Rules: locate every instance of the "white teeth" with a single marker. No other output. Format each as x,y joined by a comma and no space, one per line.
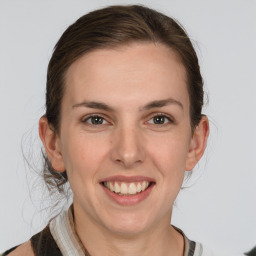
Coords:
138,188
111,187
132,189
123,188
144,185
117,188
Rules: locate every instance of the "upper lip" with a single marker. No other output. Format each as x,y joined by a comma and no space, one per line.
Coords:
123,178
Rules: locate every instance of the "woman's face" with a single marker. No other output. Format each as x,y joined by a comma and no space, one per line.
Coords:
125,137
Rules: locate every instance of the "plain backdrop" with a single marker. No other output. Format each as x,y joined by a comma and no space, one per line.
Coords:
219,206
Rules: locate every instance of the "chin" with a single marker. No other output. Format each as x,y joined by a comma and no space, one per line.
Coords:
128,224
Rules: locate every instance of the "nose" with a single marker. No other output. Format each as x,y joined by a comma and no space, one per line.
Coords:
128,147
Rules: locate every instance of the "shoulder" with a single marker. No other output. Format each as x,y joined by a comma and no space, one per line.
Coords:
202,250
24,249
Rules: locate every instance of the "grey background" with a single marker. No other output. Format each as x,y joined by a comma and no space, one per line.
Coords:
220,208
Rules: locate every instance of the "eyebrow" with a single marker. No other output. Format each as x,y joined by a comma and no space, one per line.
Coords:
150,105
162,103
94,104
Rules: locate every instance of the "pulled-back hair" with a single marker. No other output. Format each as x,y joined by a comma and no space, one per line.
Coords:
108,28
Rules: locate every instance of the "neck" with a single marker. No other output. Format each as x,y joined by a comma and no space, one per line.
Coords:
161,239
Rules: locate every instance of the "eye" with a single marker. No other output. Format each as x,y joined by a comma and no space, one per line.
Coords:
94,120
160,119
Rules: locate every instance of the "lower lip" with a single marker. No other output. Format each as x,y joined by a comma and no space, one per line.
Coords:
129,200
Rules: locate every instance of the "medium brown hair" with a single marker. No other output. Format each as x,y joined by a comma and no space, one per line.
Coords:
112,27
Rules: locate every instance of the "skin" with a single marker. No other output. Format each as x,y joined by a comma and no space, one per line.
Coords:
25,249
129,142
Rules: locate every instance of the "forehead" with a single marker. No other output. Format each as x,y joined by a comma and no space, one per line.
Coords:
131,71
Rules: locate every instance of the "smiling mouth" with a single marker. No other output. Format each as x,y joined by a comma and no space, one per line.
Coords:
127,188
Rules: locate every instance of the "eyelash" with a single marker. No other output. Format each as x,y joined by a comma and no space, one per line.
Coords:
105,122
85,119
162,115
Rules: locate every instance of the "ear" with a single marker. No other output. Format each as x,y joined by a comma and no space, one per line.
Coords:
198,143
52,145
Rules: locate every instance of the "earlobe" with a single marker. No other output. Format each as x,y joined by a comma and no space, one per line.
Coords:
198,143
51,143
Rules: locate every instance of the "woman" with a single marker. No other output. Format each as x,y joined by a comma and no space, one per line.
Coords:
123,123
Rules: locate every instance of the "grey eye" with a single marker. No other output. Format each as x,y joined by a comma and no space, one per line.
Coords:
160,120
96,120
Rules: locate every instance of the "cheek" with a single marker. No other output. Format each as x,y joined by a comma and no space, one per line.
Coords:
83,155
172,149
169,154
82,159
